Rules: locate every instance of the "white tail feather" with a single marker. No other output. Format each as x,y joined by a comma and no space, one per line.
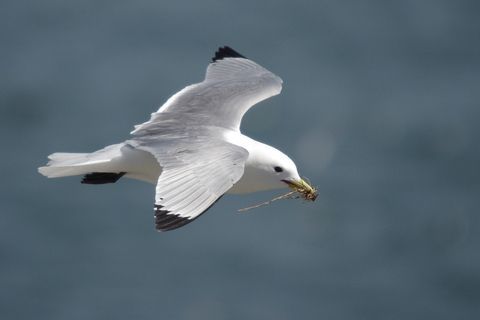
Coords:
71,164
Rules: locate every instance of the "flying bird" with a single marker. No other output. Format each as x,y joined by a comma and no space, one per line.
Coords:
192,148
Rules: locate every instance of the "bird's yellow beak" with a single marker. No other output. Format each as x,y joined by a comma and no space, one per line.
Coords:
306,191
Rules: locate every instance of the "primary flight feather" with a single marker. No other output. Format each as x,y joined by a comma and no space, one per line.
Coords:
192,147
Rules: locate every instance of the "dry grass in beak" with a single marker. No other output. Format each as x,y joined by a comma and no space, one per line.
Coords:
301,189
306,191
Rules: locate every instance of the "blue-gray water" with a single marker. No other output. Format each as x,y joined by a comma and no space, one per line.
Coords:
380,109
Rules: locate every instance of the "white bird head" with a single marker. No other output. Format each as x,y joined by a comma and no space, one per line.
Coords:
266,169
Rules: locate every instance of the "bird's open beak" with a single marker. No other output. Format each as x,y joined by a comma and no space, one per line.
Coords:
305,189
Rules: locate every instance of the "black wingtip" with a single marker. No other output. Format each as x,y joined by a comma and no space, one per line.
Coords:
226,52
166,222
102,177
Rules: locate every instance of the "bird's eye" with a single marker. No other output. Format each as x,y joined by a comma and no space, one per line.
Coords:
278,169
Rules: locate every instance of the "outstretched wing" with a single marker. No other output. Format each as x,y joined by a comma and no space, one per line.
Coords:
231,86
195,174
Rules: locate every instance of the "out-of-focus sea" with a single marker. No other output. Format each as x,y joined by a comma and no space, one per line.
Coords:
380,109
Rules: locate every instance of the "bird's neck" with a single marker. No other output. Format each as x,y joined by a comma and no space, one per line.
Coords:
256,175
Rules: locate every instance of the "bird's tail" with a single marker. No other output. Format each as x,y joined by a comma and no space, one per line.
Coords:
71,164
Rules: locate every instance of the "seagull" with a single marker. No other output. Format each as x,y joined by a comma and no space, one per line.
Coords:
192,148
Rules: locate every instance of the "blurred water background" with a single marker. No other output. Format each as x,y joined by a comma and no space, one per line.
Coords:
380,109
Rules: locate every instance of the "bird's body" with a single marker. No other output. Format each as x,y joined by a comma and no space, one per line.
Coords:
192,147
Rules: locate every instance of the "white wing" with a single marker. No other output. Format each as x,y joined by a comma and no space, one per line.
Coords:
196,172
231,86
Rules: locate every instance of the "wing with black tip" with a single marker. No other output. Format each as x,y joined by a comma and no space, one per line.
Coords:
196,172
232,85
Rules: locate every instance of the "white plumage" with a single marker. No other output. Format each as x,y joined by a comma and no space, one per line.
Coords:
192,147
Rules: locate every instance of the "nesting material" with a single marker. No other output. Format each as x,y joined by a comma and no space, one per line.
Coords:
301,189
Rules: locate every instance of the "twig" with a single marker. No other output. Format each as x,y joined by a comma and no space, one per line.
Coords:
283,196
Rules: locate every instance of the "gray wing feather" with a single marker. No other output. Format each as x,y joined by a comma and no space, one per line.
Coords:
196,172
231,87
